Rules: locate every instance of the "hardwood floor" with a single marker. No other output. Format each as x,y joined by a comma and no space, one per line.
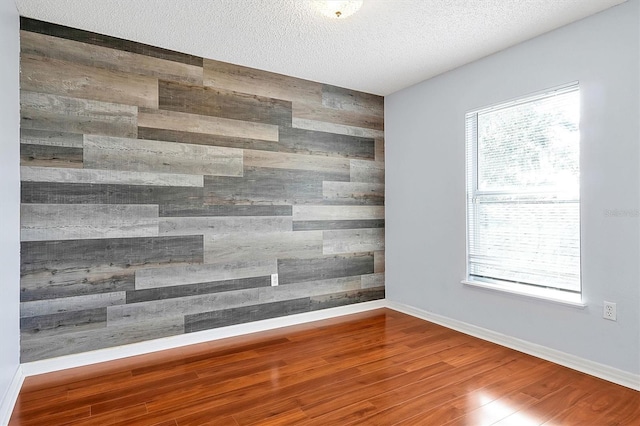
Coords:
375,368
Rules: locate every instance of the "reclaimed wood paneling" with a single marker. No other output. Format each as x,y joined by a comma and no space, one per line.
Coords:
161,191
155,156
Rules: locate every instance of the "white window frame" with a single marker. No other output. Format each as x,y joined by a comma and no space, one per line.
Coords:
471,152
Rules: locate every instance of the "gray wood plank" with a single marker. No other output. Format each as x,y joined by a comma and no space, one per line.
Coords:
50,156
107,337
280,160
352,240
346,298
223,225
309,288
172,292
367,171
70,222
373,280
66,175
223,103
379,142
250,245
301,270
306,213
64,322
68,304
41,111
379,260
173,210
195,123
352,100
196,138
194,274
50,138
101,152
359,193
106,58
311,225
312,142
337,116
340,129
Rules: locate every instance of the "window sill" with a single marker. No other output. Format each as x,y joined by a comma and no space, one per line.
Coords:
554,296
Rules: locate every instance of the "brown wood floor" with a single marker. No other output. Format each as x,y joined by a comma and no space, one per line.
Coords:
375,368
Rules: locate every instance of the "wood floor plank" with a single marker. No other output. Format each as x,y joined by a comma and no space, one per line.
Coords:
374,368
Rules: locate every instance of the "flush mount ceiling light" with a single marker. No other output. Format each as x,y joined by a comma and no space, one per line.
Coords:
338,8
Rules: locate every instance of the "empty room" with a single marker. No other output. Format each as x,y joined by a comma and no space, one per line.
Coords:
309,212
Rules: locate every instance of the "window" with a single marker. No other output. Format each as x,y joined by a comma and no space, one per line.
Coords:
523,195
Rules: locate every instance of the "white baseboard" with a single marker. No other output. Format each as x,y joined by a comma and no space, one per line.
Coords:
110,354
592,368
9,399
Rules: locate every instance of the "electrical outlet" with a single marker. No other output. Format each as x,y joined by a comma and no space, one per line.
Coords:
609,311
274,280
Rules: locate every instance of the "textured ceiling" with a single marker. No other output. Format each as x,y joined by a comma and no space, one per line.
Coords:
386,46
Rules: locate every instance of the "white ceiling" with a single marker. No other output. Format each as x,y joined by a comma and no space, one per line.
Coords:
386,46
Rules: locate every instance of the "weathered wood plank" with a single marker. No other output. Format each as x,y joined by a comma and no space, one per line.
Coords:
352,100
352,240
262,83
223,225
45,75
172,292
335,116
41,27
238,246
55,269
367,171
311,225
346,298
312,142
42,111
64,322
50,156
359,193
379,149
310,288
306,213
194,274
340,129
96,56
68,304
171,120
66,175
110,336
50,138
301,270
373,280
207,139
223,103
280,160
173,210
81,193
102,152
378,261
70,222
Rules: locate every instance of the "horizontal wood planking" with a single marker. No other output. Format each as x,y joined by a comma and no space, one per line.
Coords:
373,280
164,157
379,143
41,111
41,27
171,120
50,156
194,274
223,103
56,269
57,77
66,175
178,182
357,193
352,240
379,260
67,304
223,225
107,58
51,138
252,245
306,213
70,222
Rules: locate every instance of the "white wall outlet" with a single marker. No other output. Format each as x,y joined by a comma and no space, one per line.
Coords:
609,311
274,280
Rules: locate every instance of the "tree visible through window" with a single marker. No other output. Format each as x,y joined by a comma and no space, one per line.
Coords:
523,192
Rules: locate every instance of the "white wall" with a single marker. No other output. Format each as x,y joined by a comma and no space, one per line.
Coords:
425,169
9,196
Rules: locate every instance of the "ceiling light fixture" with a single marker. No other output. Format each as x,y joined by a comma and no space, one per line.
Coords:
338,8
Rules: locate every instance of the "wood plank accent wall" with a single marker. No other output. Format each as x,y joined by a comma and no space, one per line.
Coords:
160,192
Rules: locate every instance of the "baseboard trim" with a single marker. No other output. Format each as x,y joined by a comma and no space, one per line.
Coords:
592,368
110,354
10,397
